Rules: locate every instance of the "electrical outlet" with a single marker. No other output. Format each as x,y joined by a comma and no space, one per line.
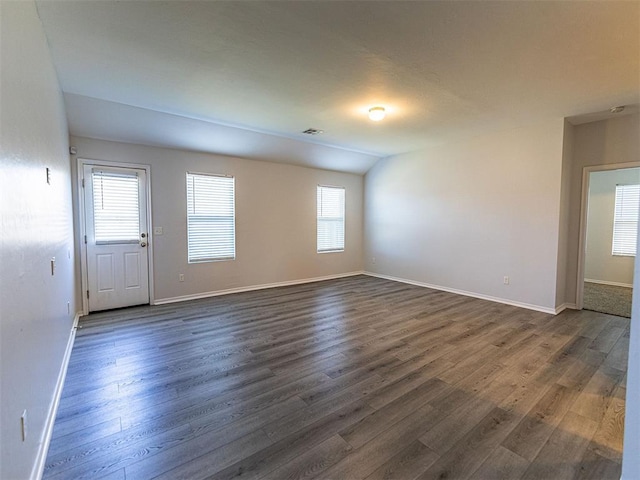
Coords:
23,425
53,265
181,277
505,280
157,230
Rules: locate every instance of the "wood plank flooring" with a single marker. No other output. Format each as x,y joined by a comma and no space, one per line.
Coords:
356,378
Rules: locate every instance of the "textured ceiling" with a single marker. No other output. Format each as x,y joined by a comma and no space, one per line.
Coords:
275,69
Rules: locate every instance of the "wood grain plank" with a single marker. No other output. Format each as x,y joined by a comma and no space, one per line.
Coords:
406,464
607,441
533,431
312,462
363,461
501,464
289,448
472,450
366,429
210,462
341,377
455,425
594,400
561,455
594,467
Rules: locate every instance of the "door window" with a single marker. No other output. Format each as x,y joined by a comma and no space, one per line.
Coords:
116,207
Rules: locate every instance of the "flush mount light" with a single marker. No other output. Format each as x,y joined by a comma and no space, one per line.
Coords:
377,113
313,131
616,109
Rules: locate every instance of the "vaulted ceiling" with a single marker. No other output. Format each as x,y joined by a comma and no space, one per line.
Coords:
246,78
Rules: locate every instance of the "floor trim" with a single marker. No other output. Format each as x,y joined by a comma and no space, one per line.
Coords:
251,288
565,306
528,306
613,284
41,457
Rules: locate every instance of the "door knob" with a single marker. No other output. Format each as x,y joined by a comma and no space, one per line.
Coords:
143,244
143,235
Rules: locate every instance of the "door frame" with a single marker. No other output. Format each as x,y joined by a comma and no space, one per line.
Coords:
582,243
84,274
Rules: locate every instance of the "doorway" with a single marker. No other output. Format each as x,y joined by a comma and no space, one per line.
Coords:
116,248
610,240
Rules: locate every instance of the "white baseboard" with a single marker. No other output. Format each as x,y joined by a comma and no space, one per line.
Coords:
604,282
528,306
41,458
228,291
565,306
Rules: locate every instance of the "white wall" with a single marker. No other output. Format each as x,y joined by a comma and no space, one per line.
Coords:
630,457
565,212
600,264
36,225
606,142
464,215
275,219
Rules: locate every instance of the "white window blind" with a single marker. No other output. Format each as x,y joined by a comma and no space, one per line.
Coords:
116,211
625,220
330,219
210,217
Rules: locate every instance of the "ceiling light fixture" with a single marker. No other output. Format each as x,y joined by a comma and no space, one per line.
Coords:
377,113
616,109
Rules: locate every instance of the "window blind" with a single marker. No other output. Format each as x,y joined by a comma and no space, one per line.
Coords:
116,211
330,224
625,220
210,218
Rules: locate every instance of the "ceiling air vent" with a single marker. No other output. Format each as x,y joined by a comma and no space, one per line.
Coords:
313,131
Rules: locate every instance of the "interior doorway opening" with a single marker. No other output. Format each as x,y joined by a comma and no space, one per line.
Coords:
610,238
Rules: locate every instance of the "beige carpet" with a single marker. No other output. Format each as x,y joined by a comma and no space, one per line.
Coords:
607,299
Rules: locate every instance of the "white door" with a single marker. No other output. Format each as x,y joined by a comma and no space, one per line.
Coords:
115,202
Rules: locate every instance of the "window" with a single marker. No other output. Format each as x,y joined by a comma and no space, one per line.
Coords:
116,212
625,220
211,231
330,219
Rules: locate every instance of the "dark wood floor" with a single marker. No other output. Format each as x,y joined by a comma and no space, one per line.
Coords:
343,379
